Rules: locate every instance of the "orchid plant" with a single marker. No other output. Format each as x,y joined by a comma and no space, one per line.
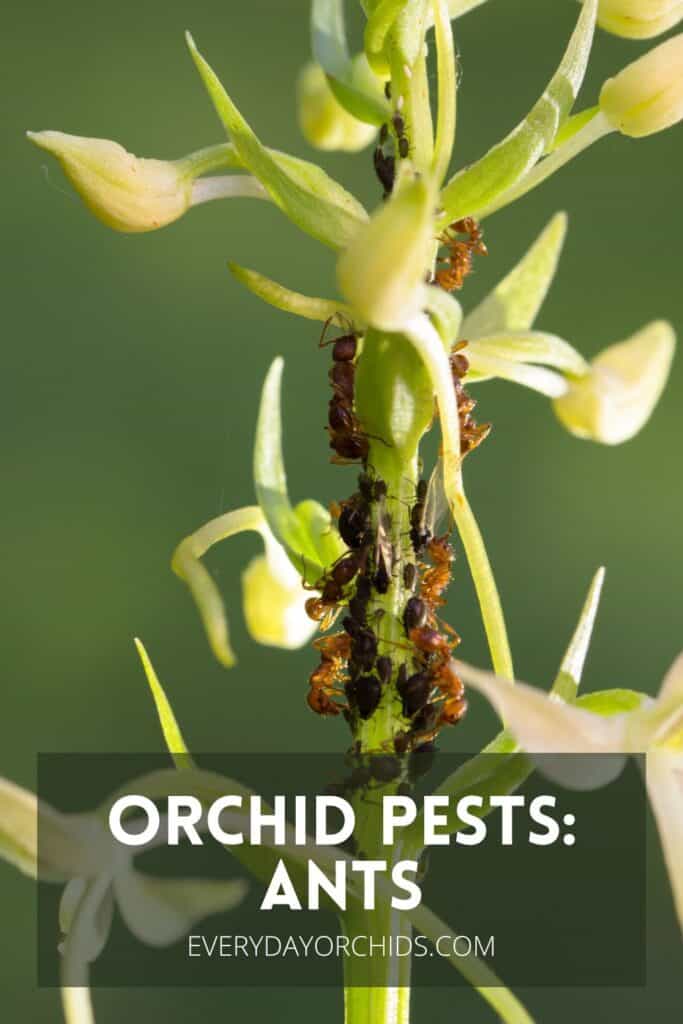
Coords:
406,358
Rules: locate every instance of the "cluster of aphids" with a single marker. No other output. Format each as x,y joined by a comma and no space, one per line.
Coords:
384,156
352,672
357,665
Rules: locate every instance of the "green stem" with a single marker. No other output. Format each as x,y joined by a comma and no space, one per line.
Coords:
377,989
211,158
485,586
377,733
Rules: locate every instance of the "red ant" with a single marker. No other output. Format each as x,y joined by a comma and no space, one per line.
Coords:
471,433
347,438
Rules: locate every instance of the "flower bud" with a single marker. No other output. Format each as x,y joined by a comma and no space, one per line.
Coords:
382,273
615,399
274,600
323,121
125,192
639,19
647,96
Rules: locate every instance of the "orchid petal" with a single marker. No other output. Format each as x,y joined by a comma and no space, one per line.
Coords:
160,911
542,725
664,773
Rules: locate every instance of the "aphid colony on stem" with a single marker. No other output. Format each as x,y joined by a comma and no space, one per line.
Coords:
411,663
358,665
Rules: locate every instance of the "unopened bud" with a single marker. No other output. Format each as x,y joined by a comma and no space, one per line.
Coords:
126,192
647,96
639,19
324,122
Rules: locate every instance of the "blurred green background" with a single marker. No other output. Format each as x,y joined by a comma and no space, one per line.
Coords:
131,371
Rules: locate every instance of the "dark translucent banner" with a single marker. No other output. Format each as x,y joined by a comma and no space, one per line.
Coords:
496,869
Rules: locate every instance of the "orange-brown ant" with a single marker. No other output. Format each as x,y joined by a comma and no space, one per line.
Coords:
471,433
460,253
437,577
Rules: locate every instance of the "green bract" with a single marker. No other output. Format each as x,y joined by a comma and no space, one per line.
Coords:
316,203
475,189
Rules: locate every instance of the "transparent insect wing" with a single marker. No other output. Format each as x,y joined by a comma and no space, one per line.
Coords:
437,512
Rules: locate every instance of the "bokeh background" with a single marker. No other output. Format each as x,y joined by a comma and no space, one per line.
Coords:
131,372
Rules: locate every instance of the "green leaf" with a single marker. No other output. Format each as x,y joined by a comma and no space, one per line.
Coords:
568,678
289,527
351,81
514,303
173,737
291,302
304,193
161,911
613,702
187,565
475,188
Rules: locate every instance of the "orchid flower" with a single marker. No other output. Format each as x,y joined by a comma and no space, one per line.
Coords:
609,722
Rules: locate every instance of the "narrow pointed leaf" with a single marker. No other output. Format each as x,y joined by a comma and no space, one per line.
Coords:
476,187
173,737
304,193
290,302
514,303
566,684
